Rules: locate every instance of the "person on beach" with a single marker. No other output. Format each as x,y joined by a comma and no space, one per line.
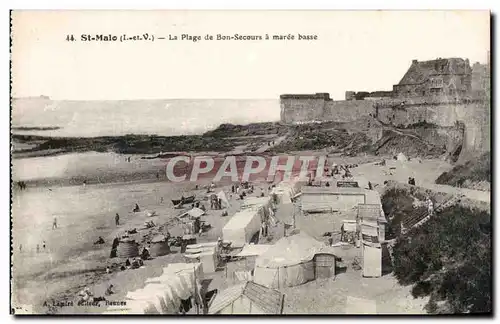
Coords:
109,291
114,247
161,200
430,206
157,175
20,248
117,219
43,245
232,189
54,223
137,209
145,255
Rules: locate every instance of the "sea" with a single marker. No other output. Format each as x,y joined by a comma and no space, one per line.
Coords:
150,117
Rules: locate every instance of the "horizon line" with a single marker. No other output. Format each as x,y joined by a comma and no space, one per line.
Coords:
134,99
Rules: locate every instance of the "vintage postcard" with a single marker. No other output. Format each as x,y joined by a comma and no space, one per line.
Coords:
250,162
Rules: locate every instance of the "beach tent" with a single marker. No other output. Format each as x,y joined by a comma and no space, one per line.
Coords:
262,204
247,298
241,227
288,263
225,202
206,255
401,157
154,297
286,190
163,294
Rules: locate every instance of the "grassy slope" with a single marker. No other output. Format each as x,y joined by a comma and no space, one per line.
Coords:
448,258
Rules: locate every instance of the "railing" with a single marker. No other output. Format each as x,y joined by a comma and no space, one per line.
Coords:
419,220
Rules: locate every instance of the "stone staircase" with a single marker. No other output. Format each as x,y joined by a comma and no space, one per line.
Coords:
419,220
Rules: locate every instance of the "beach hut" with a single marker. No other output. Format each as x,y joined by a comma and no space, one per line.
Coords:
372,259
324,265
289,262
206,255
159,246
248,298
242,227
373,215
262,204
127,248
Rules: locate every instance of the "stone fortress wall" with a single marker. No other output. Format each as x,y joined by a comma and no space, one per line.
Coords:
442,107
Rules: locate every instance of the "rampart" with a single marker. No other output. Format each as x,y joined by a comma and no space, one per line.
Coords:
474,113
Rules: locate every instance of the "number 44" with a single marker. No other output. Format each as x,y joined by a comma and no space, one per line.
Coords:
70,38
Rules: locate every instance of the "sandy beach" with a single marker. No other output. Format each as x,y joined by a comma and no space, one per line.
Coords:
71,261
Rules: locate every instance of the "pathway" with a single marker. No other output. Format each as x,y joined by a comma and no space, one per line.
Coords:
266,146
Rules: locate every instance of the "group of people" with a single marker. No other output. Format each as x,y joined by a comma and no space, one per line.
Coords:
411,181
44,247
215,203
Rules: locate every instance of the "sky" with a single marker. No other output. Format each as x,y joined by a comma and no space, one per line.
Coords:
355,51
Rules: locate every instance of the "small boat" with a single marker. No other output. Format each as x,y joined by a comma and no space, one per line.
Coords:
182,201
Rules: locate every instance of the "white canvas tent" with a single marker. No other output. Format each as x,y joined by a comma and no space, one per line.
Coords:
285,191
225,202
262,204
247,298
206,255
163,294
241,227
288,263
